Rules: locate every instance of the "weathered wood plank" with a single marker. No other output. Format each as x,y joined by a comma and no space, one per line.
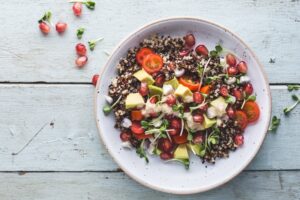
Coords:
46,186
72,143
270,27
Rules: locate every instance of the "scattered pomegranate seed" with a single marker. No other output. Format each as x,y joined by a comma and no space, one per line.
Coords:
171,100
77,8
239,140
198,118
248,88
153,99
238,94
144,89
45,28
189,40
232,70
176,123
198,138
230,59
61,27
202,50
242,67
224,91
125,136
81,61
159,80
165,145
80,49
173,131
230,112
197,97
166,156
95,79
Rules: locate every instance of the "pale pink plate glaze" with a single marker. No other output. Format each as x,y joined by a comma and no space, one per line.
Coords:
173,177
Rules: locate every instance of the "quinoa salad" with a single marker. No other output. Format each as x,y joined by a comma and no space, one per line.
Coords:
172,97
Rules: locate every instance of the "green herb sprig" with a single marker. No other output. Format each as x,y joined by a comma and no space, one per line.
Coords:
287,110
46,17
107,109
217,51
293,87
274,124
185,162
80,32
92,43
141,151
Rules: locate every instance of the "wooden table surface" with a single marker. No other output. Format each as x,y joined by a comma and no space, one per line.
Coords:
41,89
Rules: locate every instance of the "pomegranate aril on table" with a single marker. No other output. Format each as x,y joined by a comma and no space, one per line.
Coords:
81,61
61,27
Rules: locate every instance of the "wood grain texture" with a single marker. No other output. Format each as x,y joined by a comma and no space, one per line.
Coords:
71,143
88,186
270,27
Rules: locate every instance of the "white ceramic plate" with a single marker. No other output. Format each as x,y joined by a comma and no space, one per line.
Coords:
172,177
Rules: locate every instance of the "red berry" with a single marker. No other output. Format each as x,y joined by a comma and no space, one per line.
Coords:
165,145
237,94
203,108
224,91
80,49
189,40
176,123
230,59
159,80
144,89
61,27
230,112
198,138
232,71
171,100
197,97
166,156
248,89
95,79
198,118
173,131
239,140
125,136
242,67
202,50
153,99
45,28
81,61
77,8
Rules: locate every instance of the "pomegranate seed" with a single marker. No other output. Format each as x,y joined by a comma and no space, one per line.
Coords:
242,67
45,28
198,138
173,131
203,108
166,156
171,100
189,40
81,61
159,80
77,8
80,49
144,89
171,66
165,145
61,27
202,50
198,118
230,60
230,112
248,89
232,71
176,123
197,97
239,140
238,94
95,79
153,99
224,91
184,52
125,136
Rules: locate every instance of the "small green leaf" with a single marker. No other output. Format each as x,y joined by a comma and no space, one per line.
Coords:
293,87
107,109
46,17
213,53
141,152
92,43
219,48
274,124
251,98
90,5
80,32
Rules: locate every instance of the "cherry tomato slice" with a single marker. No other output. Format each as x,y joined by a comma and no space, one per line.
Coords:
241,119
136,115
189,83
142,136
137,128
180,139
142,53
205,89
152,63
252,111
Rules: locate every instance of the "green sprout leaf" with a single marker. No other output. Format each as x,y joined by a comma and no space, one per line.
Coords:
274,124
80,32
92,43
287,110
46,17
217,51
141,152
185,162
90,5
107,109
293,87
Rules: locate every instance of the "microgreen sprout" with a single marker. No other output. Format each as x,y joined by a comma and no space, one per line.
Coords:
230,99
293,87
80,32
287,110
46,18
141,151
217,51
249,98
92,43
89,4
185,162
274,124
107,109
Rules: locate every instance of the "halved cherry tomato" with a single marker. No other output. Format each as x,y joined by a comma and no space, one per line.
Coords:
189,83
137,128
205,89
180,139
152,63
252,111
142,53
142,136
241,119
136,115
